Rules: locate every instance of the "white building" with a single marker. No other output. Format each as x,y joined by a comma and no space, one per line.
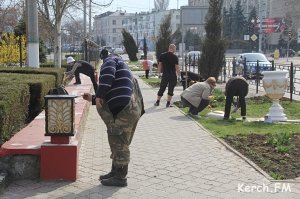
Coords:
108,28
146,25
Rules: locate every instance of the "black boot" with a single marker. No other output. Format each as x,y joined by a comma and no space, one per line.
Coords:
110,174
119,179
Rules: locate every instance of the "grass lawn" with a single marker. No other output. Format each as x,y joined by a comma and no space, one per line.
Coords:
273,147
135,66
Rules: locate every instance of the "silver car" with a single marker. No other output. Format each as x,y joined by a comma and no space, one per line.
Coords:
250,61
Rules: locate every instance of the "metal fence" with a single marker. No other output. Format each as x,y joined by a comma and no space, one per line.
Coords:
253,76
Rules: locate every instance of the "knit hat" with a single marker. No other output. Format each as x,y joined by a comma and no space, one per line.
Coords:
70,60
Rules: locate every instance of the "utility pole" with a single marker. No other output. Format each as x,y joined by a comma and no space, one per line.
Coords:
84,19
137,30
288,45
90,17
32,34
260,27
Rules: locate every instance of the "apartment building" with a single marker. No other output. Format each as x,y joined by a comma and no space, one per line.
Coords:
108,26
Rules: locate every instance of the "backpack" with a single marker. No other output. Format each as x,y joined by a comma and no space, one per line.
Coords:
58,91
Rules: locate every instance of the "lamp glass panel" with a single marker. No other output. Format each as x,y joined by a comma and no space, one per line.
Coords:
60,116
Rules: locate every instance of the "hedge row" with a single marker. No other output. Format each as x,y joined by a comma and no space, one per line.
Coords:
14,101
22,96
57,72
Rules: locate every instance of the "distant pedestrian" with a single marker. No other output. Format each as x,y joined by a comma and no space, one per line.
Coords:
168,66
82,67
119,102
236,86
198,95
276,54
147,66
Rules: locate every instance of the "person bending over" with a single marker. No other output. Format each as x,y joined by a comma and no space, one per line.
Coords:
81,67
236,86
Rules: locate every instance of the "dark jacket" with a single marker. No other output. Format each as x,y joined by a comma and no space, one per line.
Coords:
237,86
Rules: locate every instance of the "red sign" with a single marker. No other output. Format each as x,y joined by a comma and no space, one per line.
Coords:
271,25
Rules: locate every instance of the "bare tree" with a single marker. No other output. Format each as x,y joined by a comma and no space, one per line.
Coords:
52,11
9,14
161,4
74,30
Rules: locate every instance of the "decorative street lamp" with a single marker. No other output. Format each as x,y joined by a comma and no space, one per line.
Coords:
59,110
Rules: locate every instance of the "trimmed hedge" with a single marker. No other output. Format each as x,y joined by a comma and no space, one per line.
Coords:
57,72
49,65
14,101
39,86
22,92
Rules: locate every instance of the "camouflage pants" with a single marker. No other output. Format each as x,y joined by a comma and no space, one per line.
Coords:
120,130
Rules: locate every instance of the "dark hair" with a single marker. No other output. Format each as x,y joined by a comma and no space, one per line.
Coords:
103,54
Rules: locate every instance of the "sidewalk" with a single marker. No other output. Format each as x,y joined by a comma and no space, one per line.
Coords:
171,157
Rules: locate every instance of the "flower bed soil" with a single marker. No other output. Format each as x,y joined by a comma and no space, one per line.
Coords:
279,165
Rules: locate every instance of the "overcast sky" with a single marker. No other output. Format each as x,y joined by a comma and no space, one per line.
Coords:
132,6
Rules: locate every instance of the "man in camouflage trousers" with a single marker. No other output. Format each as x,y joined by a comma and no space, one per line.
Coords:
120,115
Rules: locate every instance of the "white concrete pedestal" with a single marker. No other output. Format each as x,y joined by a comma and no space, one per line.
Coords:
276,113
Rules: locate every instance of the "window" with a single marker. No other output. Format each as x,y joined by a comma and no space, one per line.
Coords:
114,22
114,30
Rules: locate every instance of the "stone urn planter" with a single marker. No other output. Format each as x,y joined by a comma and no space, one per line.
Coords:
275,84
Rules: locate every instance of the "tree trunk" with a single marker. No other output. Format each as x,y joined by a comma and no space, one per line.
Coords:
57,45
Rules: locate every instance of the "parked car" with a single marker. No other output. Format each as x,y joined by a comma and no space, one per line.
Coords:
291,52
119,51
193,57
194,53
250,60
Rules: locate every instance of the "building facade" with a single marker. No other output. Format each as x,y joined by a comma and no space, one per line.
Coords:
287,8
108,26
247,5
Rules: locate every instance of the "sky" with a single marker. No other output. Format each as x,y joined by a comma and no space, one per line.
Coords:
133,6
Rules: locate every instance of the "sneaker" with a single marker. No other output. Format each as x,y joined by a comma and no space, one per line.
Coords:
76,83
156,104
